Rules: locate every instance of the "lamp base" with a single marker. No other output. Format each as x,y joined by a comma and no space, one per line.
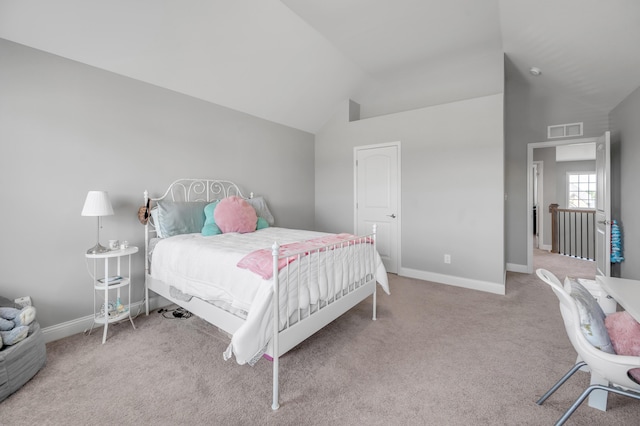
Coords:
98,248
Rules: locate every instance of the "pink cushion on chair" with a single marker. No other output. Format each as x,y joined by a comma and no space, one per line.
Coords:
234,214
624,332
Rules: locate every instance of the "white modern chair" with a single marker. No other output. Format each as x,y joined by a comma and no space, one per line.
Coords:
613,368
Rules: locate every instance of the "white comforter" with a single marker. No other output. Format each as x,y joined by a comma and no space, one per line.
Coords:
205,267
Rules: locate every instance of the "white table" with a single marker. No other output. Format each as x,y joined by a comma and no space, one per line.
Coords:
102,285
625,292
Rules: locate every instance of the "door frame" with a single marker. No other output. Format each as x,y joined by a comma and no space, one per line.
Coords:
530,147
398,146
540,188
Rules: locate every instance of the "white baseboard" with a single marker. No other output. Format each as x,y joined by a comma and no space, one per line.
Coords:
80,325
513,267
546,247
489,287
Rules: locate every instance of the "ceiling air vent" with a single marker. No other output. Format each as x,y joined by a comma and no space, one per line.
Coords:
564,130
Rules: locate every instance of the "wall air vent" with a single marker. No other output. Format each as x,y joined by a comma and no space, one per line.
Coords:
564,130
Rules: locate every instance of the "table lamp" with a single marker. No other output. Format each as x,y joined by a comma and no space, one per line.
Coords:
97,204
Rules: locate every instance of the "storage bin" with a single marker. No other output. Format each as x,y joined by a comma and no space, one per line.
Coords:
20,362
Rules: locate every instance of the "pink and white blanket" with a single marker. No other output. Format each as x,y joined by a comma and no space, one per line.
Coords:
261,261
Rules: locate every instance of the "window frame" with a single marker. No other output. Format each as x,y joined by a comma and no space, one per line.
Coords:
568,188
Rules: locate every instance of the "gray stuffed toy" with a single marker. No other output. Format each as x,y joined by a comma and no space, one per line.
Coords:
14,324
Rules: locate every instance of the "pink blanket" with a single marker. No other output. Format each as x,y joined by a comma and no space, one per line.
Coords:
261,261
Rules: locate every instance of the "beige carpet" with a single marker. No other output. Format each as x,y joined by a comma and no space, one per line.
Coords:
437,355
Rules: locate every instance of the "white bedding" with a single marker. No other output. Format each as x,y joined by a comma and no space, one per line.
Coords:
205,267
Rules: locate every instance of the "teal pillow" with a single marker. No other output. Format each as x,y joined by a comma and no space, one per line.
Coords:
262,223
210,227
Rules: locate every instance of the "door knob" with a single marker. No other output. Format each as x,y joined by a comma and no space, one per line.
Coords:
392,215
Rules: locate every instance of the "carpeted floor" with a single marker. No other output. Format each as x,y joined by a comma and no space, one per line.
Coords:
437,355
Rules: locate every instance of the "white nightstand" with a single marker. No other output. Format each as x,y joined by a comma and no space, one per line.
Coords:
101,312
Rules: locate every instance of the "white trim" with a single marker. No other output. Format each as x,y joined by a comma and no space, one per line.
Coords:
81,325
513,267
540,229
486,286
530,148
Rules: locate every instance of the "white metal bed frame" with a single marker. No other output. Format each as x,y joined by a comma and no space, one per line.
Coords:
192,190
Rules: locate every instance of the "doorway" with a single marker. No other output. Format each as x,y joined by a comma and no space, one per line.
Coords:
537,176
542,210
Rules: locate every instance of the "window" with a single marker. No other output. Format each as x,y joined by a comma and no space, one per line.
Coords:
581,190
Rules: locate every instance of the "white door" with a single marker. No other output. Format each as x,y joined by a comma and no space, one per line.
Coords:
377,199
603,206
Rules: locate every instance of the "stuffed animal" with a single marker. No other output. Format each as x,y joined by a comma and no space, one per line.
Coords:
14,335
14,324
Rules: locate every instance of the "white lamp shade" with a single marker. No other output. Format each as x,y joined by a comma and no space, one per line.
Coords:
97,204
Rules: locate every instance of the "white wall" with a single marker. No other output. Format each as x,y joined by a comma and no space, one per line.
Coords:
626,175
67,128
452,186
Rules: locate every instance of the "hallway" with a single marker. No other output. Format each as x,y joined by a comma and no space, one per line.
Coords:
563,266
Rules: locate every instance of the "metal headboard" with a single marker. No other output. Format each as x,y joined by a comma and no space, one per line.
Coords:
192,190
189,190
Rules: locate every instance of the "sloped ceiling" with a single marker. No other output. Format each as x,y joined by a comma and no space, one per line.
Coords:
294,61
416,52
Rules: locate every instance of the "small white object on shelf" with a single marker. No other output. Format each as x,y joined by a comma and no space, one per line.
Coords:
111,280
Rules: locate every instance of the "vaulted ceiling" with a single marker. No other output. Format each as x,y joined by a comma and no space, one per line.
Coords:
294,61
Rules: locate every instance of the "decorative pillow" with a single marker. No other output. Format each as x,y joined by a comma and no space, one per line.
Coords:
262,223
591,315
234,214
210,227
260,205
154,216
179,217
625,337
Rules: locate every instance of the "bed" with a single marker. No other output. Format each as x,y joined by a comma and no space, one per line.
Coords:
240,280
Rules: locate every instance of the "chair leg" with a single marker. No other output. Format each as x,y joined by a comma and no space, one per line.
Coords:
560,382
586,393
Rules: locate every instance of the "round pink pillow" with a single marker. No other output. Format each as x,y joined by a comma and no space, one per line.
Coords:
234,214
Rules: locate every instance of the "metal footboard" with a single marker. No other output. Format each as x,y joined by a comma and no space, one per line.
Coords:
352,262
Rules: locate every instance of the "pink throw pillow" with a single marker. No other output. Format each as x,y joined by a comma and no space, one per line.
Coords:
624,332
234,214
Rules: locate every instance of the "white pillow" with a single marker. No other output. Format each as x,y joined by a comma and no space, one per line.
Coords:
591,315
154,219
260,205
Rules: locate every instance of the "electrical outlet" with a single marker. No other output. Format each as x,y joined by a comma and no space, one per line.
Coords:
447,258
23,301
